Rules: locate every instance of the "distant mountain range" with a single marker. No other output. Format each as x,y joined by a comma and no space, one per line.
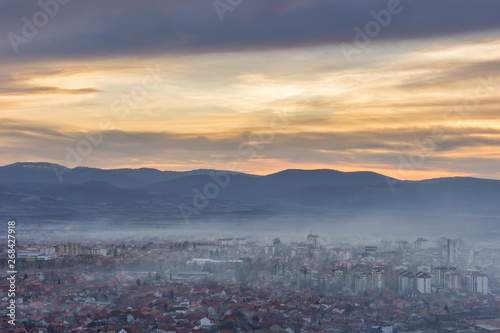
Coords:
50,192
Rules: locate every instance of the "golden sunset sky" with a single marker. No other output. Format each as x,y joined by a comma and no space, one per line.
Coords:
268,88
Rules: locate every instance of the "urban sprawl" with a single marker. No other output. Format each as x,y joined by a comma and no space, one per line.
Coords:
251,284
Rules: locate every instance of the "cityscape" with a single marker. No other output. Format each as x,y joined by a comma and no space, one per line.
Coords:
249,166
256,284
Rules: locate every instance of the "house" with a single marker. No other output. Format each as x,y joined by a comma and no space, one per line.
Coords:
38,330
205,322
19,330
124,330
275,328
37,320
487,328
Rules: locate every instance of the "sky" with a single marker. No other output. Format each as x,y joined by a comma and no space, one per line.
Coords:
405,88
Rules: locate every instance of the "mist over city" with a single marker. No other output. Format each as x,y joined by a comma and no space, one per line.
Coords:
237,166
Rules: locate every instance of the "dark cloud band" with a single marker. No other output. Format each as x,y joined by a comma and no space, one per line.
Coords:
100,28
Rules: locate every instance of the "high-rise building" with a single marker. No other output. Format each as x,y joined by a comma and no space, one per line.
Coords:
402,244
99,251
418,243
313,240
482,283
477,282
406,282
70,248
453,280
423,281
375,280
378,279
439,275
361,282
452,250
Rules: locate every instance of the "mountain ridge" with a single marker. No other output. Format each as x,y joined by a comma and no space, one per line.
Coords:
33,192
47,166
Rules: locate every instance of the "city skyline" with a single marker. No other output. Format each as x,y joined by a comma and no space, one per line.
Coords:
233,166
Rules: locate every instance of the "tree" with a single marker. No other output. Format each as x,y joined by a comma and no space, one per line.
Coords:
138,282
25,276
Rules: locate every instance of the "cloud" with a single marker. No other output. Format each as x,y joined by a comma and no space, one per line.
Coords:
335,147
214,96
469,73
103,28
23,84
45,90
